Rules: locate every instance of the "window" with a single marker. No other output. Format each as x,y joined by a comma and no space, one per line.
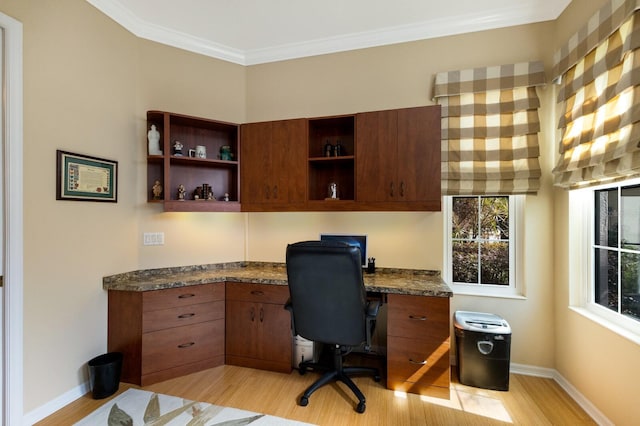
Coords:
481,247
616,249
605,243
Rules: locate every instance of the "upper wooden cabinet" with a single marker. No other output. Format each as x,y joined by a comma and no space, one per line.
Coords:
273,165
376,161
398,159
172,169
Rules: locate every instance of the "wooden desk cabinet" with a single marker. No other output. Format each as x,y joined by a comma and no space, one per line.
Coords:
418,345
167,333
258,331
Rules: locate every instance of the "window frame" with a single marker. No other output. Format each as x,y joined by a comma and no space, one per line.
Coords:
516,287
581,263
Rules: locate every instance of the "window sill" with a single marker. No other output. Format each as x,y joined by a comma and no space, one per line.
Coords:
466,292
609,325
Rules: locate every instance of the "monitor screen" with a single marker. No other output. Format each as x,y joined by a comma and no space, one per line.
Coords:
353,240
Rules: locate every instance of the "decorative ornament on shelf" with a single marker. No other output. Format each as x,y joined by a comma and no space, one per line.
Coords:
225,153
181,192
177,148
153,136
157,190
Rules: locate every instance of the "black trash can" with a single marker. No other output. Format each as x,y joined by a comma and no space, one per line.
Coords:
104,374
483,350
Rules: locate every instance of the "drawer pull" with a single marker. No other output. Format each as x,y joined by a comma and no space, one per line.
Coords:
257,292
186,315
424,362
252,314
186,345
186,296
261,315
418,318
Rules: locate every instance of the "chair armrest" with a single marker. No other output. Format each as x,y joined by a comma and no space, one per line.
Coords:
373,307
289,308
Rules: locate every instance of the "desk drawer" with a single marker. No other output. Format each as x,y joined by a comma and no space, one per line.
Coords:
181,345
181,296
424,362
182,315
261,293
418,317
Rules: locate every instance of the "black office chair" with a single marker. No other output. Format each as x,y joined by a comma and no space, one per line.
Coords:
328,304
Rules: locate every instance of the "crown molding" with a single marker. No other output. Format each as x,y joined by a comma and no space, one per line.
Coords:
464,23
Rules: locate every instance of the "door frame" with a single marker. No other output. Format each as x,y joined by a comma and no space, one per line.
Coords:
12,309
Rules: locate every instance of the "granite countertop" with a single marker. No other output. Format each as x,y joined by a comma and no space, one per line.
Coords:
385,280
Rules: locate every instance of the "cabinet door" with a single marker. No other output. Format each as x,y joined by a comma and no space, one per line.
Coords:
256,163
258,335
289,153
242,332
377,156
273,162
419,154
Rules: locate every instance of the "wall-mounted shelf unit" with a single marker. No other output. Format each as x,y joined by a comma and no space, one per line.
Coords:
192,172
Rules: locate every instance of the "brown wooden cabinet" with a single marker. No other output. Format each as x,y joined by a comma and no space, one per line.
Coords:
418,345
172,169
167,333
398,159
273,165
258,328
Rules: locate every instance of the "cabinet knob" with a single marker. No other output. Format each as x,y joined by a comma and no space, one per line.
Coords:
402,188
186,315
261,315
252,314
275,192
186,296
186,345
257,292
423,362
267,192
391,189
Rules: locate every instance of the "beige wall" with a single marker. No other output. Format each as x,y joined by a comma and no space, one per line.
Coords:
88,83
601,364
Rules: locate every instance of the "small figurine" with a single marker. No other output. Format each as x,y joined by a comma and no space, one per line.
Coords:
177,148
210,196
333,190
157,190
181,192
154,141
226,196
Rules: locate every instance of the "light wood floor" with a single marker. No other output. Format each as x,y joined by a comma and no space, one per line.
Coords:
529,401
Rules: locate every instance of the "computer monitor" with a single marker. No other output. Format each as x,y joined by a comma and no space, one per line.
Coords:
359,241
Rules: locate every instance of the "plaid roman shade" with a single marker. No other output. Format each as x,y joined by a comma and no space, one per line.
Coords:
599,95
490,129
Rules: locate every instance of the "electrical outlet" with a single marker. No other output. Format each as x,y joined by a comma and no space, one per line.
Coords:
153,239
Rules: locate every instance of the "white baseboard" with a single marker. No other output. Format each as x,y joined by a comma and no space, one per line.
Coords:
56,404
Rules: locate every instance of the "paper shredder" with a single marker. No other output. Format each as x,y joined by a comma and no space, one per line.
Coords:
483,353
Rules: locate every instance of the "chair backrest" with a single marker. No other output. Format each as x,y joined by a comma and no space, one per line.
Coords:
328,298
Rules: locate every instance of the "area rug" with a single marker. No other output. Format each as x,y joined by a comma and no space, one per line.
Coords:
137,407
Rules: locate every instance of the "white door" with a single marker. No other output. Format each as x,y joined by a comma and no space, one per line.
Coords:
1,214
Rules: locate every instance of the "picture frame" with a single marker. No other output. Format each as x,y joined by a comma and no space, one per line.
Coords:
85,178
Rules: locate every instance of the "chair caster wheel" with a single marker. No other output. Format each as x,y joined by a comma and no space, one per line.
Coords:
304,401
376,378
302,371
361,407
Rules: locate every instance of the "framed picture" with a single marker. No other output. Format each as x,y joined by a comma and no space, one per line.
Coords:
84,178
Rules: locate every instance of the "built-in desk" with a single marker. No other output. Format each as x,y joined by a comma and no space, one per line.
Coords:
174,321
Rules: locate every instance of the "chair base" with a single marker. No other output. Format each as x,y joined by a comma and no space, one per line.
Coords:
338,373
